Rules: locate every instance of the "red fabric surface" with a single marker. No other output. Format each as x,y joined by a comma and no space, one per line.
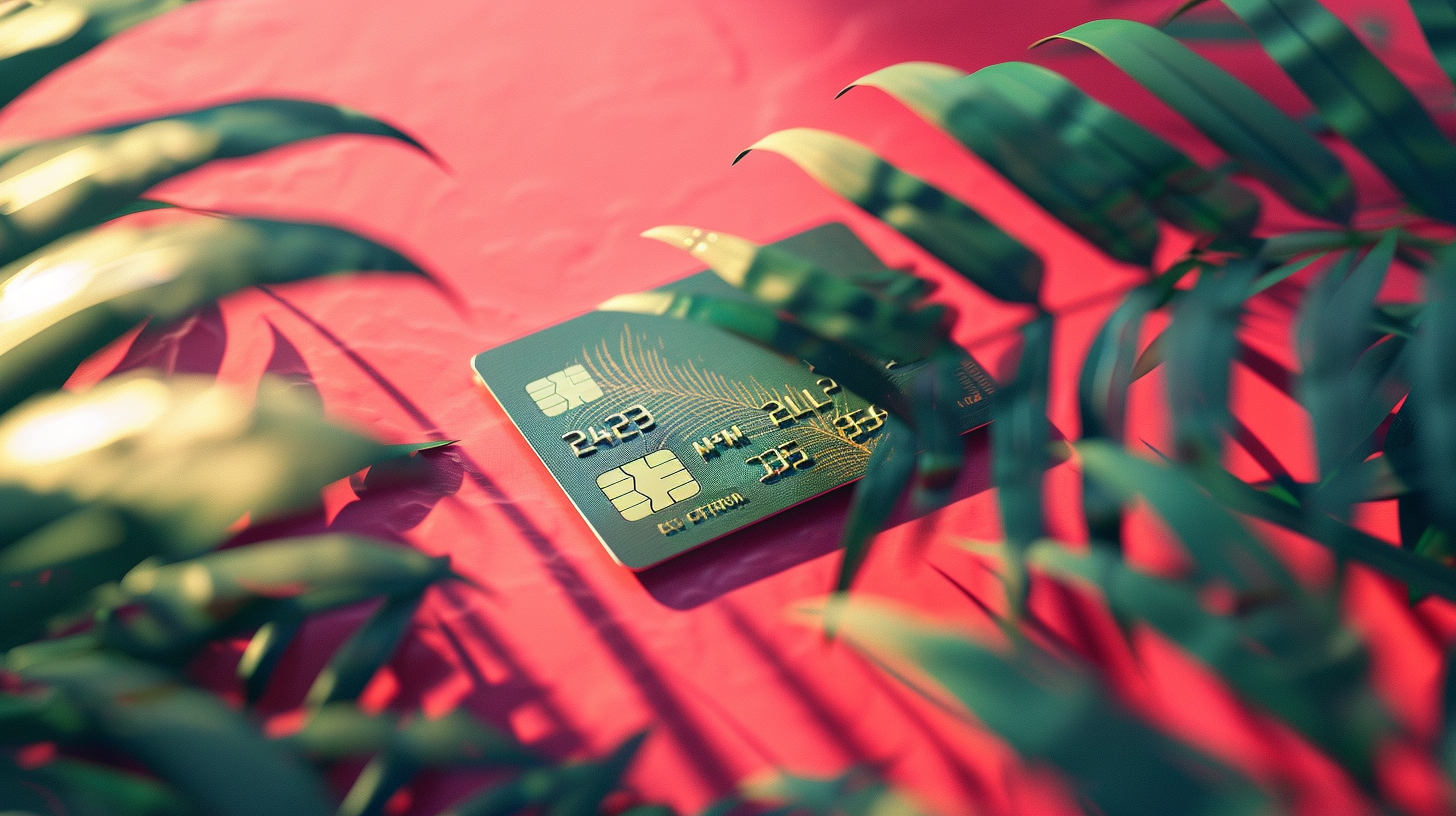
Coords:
563,129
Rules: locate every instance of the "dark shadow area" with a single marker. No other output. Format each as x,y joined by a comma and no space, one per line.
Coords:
194,344
788,539
674,716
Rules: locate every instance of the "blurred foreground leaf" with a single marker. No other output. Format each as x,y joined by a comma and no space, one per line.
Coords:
63,303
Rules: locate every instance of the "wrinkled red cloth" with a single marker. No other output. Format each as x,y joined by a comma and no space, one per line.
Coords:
562,130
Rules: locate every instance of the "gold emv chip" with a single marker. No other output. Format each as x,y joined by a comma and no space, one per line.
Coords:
644,486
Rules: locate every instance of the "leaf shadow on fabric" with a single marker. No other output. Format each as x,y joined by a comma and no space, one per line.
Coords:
788,539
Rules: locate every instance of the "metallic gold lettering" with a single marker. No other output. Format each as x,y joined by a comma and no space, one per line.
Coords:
730,438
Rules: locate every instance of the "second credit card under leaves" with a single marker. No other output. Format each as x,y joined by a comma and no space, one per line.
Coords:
667,434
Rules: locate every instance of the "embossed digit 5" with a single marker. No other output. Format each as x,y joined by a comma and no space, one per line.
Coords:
795,456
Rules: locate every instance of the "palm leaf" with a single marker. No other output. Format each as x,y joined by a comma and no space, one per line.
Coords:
51,188
1359,97
1266,143
66,301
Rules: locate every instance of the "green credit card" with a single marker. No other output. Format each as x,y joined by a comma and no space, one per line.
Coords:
666,434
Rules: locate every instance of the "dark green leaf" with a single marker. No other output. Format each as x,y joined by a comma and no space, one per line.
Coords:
365,652
1331,336
1102,399
1359,97
941,224
1438,24
68,300
887,475
265,649
41,37
340,730
1283,273
1179,191
187,456
988,113
188,737
1220,545
1202,343
54,187
86,789
1267,144
1053,712
1318,683
184,602
1433,390
1419,574
39,716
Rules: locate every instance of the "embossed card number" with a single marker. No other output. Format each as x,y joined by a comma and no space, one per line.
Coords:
618,428
780,461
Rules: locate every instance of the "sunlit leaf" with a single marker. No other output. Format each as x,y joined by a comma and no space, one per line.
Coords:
760,324
184,602
56,186
988,113
941,224
826,304
1359,97
1266,143
41,37
1053,712
187,736
263,653
68,300
187,456
856,792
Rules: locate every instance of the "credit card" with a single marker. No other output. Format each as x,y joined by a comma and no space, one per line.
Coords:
666,434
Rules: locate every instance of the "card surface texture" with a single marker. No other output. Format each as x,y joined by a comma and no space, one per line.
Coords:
667,434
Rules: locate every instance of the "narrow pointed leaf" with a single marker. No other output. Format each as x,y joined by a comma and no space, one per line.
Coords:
1433,387
1359,97
1417,573
1220,545
1265,142
1331,337
1324,671
263,653
827,304
1438,23
68,300
41,37
942,225
365,652
1202,343
1020,434
1051,712
54,187
1102,391
988,116
183,602
887,475
187,736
